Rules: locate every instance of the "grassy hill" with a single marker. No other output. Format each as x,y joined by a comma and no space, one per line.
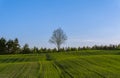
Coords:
83,64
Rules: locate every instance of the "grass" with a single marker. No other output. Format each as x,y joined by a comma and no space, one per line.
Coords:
83,64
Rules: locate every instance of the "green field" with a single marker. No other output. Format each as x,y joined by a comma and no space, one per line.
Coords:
83,64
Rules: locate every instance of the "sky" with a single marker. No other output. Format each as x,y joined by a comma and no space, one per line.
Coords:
85,22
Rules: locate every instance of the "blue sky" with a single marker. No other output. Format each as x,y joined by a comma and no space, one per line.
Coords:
86,22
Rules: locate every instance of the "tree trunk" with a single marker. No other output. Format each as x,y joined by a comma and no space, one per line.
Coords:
58,48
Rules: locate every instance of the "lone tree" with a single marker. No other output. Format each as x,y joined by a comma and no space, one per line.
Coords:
58,38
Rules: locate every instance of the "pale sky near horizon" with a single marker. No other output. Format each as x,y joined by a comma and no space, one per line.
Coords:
85,22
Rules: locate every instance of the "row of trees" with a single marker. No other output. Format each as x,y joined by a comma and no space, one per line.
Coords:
10,46
13,47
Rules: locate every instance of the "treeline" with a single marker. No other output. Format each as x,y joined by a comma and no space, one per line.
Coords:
13,47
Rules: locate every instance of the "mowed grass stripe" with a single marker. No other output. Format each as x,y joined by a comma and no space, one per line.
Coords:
27,70
47,70
21,58
98,65
103,66
103,61
76,70
30,70
10,70
110,64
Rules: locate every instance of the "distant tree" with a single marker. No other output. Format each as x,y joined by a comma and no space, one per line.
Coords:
62,49
68,49
9,45
58,38
12,46
79,48
54,50
16,46
26,49
41,50
118,47
44,49
2,45
49,50
35,50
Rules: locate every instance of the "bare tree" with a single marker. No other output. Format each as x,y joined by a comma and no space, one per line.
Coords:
58,38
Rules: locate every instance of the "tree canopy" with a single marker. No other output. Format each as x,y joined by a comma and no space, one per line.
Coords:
58,38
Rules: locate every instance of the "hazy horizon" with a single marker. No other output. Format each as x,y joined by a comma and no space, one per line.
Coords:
85,22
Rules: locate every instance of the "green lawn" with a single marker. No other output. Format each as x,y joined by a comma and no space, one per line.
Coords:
83,64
